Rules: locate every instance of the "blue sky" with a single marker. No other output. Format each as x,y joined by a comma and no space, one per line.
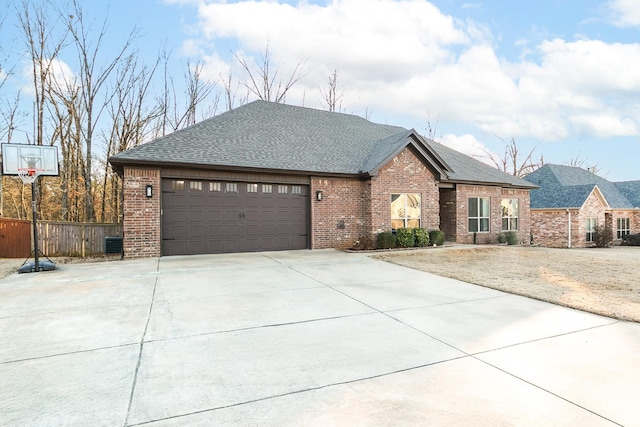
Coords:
560,76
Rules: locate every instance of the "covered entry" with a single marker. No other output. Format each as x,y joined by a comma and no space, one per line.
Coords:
207,217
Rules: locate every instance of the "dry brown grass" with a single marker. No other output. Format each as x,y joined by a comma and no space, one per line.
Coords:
601,281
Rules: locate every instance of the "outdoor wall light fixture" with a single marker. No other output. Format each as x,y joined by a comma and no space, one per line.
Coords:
149,191
318,195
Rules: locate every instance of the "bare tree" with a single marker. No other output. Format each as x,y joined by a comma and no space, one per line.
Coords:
432,129
92,77
331,96
513,161
197,91
578,162
266,83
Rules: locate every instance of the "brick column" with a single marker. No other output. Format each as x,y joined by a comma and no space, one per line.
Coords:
141,222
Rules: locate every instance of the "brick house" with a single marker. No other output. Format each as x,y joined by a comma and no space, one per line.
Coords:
269,176
571,201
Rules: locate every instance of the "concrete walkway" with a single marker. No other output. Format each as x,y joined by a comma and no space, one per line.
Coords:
301,338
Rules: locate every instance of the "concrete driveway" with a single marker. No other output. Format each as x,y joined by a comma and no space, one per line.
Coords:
301,338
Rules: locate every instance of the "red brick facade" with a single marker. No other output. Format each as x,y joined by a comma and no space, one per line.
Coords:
454,213
141,222
351,210
551,226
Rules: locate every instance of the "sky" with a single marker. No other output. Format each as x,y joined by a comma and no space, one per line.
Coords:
560,77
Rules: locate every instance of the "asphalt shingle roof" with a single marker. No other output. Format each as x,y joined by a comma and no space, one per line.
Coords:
568,187
631,190
268,135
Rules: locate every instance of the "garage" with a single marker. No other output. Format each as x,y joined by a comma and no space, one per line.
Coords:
208,217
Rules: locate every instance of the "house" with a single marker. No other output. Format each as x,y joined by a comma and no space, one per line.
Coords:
571,201
269,176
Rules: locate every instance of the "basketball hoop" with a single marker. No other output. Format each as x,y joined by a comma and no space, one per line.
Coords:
28,175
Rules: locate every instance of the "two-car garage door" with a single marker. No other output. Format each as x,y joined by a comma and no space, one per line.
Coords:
206,217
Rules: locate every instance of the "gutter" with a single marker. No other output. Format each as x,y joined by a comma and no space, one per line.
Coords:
569,243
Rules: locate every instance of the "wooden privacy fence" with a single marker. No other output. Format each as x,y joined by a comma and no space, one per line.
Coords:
57,238
15,238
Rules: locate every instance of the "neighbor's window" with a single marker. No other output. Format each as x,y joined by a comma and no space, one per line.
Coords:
177,185
215,186
252,188
267,188
478,214
405,210
623,227
590,227
231,187
296,189
195,185
509,214
283,189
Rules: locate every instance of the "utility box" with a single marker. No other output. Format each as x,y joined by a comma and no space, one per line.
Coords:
113,245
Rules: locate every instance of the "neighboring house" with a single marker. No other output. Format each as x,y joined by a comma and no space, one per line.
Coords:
269,176
571,201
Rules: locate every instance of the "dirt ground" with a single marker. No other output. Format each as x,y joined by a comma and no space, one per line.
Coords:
602,281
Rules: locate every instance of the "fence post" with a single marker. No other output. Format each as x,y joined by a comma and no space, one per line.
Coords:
82,234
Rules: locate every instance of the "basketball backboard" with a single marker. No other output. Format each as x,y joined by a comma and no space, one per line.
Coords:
43,158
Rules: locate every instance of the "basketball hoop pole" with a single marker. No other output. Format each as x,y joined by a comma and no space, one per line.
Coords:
34,214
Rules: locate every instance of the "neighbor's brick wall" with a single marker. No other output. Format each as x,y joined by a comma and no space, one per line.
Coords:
592,208
141,222
405,173
341,217
550,228
495,195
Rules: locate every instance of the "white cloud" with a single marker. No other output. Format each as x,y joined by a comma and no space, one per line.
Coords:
59,72
406,57
468,145
625,13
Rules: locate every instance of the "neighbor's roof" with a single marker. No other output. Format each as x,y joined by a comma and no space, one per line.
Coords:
631,190
569,187
271,136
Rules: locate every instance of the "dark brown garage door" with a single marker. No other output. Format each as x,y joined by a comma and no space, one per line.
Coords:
208,217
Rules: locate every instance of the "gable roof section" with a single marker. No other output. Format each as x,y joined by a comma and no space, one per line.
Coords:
569,187
271,136
631,190
466,169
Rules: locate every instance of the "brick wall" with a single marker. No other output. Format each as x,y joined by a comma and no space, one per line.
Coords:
141,222
455,211
341,217
405,173
352,210
551,227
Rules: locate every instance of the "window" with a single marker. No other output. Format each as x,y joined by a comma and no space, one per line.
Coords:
405,210
509,209
296,189
623,227
215,186
195,185
590,227
267,188
478,214
177,185
252,188
231,187
282,189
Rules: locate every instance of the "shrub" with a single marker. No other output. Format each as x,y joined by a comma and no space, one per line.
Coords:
602,236
422,237
512,237
436,237
502,238
386,240
406,237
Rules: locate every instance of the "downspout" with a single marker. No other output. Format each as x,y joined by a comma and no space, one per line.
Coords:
569,212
